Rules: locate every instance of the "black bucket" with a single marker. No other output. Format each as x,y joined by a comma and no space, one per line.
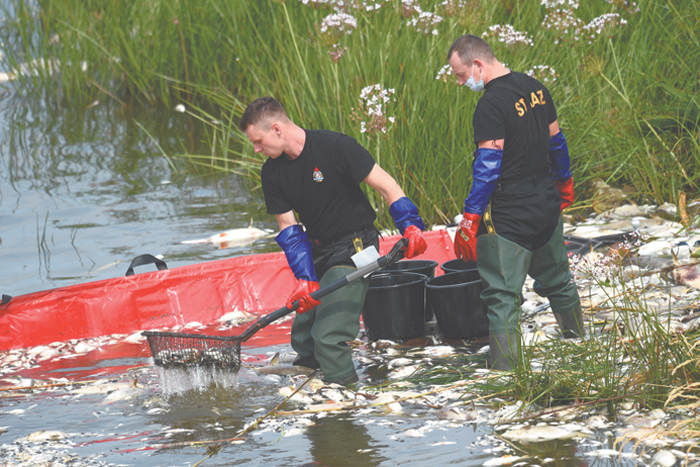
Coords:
395,306
457,265
455,300
425,267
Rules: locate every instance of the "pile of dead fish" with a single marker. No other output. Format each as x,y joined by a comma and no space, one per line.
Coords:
28,453
648,270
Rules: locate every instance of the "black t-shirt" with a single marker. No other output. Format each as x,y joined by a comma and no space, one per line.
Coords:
525,206
322,185
519,109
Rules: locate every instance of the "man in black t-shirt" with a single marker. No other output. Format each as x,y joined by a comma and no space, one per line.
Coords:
317,174
521,182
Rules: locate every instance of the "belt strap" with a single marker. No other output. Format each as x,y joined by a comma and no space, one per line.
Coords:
488,221
357,243
354,237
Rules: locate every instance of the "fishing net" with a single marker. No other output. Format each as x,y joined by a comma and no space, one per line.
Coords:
174,349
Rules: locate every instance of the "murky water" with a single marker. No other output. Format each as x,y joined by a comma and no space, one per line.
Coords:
161,428
83,192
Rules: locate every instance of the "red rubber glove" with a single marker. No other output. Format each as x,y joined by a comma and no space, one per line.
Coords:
465,238
416,242
566,192
301,293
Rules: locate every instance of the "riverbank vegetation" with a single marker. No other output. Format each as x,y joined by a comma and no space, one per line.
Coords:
623,75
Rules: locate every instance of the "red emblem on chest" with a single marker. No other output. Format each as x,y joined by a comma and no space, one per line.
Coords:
318,176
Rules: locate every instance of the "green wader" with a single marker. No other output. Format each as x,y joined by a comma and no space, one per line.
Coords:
320,335
504,266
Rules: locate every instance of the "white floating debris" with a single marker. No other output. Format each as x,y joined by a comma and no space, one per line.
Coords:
180,108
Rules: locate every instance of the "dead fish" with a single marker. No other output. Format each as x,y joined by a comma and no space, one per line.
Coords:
413,433
46,435
234,318
333,394
439,351
536,434
314,385
609,453
664,459
688,275
300,396
404,372
123,395
83,348
503,460
135,338
398,362
229,238
454,413
389,404
101,388
284,370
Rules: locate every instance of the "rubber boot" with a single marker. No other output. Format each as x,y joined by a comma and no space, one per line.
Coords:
571,324
553,279
503,268
302,341
337,321
505,351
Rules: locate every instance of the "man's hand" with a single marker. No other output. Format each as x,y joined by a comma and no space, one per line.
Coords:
416,242
465,238
566,192
302,293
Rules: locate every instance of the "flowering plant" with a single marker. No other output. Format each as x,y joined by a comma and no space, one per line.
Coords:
371,112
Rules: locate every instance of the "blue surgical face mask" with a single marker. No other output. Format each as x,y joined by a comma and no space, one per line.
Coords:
473,85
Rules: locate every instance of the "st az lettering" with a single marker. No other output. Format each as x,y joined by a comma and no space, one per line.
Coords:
536,98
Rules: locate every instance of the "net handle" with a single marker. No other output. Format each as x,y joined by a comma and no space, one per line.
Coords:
394,255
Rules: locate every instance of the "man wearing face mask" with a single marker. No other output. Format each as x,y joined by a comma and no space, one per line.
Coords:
521,183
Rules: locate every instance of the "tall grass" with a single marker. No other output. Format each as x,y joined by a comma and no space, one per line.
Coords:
628,101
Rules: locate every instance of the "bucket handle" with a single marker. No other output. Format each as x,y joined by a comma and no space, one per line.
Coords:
145,259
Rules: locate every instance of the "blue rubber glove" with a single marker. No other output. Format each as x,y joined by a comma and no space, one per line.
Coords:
297,248
487,169
410,224
559,161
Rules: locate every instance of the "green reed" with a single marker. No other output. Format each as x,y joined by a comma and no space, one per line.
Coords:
628,101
